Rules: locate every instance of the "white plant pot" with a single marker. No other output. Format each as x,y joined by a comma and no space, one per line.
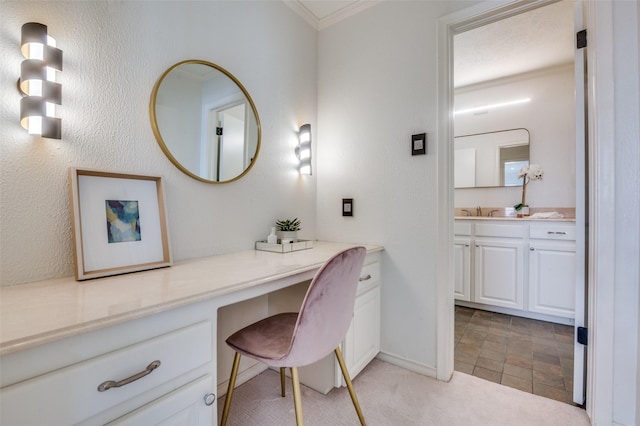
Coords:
524,211
285,237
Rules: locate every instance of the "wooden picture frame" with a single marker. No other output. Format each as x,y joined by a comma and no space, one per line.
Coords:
119,223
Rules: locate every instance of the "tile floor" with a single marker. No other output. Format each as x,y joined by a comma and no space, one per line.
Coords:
530,355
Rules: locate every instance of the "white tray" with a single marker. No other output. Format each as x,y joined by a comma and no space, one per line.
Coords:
284,248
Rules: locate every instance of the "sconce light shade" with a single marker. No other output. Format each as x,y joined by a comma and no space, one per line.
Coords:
38,112
303,150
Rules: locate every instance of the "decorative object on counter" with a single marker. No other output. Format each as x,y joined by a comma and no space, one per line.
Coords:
284,247
287,230
547,215
119,223
527,173
37,82
272,238
303,149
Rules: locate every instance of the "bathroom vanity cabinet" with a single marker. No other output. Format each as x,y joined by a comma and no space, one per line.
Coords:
142,348
552,269
518,266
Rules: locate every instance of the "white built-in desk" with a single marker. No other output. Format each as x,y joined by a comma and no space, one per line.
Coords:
60,339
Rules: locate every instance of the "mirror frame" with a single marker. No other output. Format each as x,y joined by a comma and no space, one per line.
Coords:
488,133
163,145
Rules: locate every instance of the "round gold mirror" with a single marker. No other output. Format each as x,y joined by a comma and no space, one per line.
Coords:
205,121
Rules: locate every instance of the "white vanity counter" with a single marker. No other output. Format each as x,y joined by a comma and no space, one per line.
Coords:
41,312
144,348
514,219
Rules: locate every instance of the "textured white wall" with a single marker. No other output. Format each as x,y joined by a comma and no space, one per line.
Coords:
550,119
376,87
113,54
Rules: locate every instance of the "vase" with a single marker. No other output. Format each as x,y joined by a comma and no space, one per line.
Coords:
524,211
286,237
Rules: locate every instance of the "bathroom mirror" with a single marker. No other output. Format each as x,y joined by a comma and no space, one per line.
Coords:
205,121
490,159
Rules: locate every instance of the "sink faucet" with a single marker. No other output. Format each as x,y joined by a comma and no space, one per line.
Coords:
478,211
492,212
468,213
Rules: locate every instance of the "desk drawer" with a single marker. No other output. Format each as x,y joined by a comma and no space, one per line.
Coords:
70,395
369,277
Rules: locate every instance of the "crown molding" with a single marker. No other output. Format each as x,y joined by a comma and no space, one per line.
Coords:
297,7
327,21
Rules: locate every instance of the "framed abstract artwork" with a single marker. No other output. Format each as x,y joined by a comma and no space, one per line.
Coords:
119,223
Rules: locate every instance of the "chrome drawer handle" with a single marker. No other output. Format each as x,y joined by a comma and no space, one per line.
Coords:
209,398
556,233
365,278
105,386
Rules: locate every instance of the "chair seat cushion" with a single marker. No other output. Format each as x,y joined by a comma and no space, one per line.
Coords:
267,339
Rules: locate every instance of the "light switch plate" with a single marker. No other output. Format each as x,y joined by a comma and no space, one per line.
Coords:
419,144
347,207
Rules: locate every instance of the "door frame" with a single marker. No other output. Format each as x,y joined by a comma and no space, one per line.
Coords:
466,19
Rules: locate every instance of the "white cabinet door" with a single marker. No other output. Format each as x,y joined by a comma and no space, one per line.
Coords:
499,276
552,276
362,342
183,407
462,259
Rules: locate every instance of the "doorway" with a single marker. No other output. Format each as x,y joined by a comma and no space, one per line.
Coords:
506,79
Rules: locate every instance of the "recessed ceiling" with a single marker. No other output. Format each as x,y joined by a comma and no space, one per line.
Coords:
530,41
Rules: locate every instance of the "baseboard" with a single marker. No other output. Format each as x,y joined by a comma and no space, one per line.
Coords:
517,313
407,364
243,377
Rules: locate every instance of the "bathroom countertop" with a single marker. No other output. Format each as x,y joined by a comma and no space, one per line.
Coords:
515,219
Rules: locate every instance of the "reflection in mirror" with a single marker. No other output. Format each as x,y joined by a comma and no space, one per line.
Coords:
490,159
205,121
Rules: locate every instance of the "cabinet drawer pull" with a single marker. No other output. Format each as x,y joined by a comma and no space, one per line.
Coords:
556,233
105,386
209,398
365,278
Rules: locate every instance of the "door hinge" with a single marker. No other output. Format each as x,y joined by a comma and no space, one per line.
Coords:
219,131
581,39
583,333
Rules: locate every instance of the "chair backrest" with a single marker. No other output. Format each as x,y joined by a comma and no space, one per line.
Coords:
327,309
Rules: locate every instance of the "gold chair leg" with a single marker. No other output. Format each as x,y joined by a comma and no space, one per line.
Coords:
297,396
232,384
282,382
352,391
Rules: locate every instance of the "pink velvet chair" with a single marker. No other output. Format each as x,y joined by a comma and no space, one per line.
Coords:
297,339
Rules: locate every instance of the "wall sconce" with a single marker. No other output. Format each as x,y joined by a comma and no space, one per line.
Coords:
38,111
303,150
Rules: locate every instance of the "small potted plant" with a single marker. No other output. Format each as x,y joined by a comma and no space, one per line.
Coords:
287,230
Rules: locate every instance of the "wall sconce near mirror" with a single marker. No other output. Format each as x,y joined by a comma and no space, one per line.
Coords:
42,94
303,150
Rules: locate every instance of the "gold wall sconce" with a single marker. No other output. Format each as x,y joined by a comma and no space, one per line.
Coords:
38,74
303,149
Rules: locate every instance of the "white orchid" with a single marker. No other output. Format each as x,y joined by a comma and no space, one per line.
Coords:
532,171
527,173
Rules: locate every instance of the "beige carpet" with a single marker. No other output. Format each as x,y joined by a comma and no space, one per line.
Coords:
393,396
